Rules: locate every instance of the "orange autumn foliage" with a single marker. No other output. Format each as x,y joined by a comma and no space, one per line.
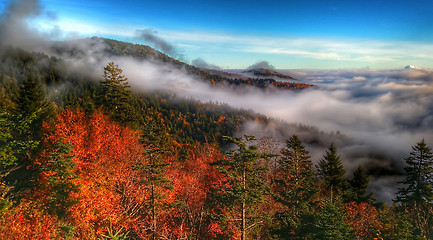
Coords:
192,182
111,189
27,221
363,218
105,153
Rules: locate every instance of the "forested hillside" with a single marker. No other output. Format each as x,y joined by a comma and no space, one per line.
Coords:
142,52
85,158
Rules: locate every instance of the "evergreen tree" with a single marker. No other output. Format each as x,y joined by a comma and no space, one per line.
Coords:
327,222
331,171
294,186
397,224
358,187
246,180
416,195
116,98
26,118
8,150
155,143
32,108
8,147
60,164
418,184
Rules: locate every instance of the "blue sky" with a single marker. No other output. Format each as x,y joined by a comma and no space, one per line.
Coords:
288,34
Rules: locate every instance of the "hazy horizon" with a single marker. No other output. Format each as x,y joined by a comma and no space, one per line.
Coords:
288,34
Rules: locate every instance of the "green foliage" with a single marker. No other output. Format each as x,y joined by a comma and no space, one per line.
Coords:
16,65
330,171
397,225
418,186
245,171
295,178
327,222
294,186
13,149
416,195
156,144
358,187
115,96
14,142
115,235
30,110
67,231
61,166
8,147
245,174
23,134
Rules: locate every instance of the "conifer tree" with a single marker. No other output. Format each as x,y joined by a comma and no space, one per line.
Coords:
115,96
246,179
327,222
8,146
294,185
358,187
416,195
418,184
25,120
31,108
331,171
60,166
155,141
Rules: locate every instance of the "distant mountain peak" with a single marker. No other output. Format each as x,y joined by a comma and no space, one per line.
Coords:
411,67
263,72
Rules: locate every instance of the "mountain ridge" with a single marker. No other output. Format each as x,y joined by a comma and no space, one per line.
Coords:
263,72
115,48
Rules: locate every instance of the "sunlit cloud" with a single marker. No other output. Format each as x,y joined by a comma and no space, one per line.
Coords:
353,52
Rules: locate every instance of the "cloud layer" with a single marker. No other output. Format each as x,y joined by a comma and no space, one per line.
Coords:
379,114
374,117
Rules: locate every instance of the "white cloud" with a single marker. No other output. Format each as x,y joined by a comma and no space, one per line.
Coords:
359,78
358,52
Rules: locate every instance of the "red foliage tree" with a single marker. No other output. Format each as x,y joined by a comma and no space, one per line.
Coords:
27,221
363,218
105,153
193,180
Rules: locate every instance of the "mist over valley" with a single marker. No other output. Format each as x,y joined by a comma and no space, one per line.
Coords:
170,130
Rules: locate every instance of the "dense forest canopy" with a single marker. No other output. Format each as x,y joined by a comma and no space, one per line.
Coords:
85,159
104,139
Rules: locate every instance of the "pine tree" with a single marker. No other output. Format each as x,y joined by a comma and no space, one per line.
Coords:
416,195
246,178
31,108
60,165
155,141
418,184
116,97
25,120
358,187
331,171
8,146
327,222
294,186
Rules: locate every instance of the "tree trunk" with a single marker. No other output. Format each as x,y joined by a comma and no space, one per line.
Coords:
243,205
153,216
